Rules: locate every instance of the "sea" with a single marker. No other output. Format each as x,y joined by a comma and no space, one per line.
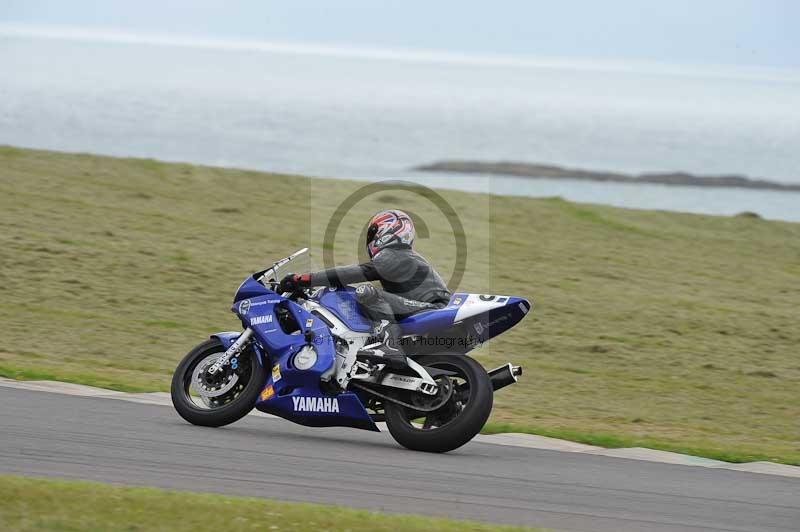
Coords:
358,113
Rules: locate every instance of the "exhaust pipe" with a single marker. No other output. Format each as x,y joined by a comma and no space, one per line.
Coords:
504,375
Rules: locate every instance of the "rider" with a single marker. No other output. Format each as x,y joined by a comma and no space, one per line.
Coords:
410,284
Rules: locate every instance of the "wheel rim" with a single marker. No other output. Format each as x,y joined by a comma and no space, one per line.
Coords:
451,410
215,391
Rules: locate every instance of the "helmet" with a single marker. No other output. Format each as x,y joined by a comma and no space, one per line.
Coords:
389,228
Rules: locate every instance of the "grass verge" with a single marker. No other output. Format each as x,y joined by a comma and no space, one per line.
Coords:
676,330
611,441
28,504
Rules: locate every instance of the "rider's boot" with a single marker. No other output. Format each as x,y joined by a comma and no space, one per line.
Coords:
389,350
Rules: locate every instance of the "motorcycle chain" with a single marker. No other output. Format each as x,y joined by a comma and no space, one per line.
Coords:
403,403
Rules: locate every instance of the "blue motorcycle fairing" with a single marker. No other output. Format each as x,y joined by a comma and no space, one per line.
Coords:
295,394
228,337
342,302
429,321
496,321
251,288
289,392
485,316
315,409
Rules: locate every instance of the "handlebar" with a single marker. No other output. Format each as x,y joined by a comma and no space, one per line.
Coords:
300,292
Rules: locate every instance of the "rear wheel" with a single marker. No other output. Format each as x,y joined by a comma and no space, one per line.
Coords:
220,399
457,421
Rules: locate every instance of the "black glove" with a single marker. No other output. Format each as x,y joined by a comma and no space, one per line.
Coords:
293,282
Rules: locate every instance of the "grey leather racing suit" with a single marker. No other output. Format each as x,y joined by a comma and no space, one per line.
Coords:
410,284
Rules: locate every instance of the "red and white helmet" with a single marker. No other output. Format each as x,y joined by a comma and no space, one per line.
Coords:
389,228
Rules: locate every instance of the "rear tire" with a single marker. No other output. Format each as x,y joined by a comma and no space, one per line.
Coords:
460,429
226,413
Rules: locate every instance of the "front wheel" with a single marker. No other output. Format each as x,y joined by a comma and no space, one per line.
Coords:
220,399
457,421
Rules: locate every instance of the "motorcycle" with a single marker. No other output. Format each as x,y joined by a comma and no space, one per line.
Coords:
297,359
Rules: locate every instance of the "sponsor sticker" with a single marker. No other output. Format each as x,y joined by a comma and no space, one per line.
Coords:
267,393
457,301
261,320
244,307
498,320
309,322
316,404
402,378
276,373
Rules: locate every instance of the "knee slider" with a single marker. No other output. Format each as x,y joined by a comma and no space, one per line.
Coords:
366,294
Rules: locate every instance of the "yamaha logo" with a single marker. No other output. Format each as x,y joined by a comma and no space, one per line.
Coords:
261,320
316,404
244,307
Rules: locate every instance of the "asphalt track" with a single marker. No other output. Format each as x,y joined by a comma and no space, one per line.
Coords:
54,435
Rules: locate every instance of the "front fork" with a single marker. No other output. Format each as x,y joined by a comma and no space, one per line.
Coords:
233,351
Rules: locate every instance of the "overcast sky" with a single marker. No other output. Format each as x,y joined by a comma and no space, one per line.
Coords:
733,32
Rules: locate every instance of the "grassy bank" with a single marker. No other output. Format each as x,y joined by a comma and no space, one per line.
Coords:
678,331
43,505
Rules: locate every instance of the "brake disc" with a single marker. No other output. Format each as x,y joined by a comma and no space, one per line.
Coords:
209,387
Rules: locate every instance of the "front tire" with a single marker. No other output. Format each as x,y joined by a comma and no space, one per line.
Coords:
234,404
456,422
